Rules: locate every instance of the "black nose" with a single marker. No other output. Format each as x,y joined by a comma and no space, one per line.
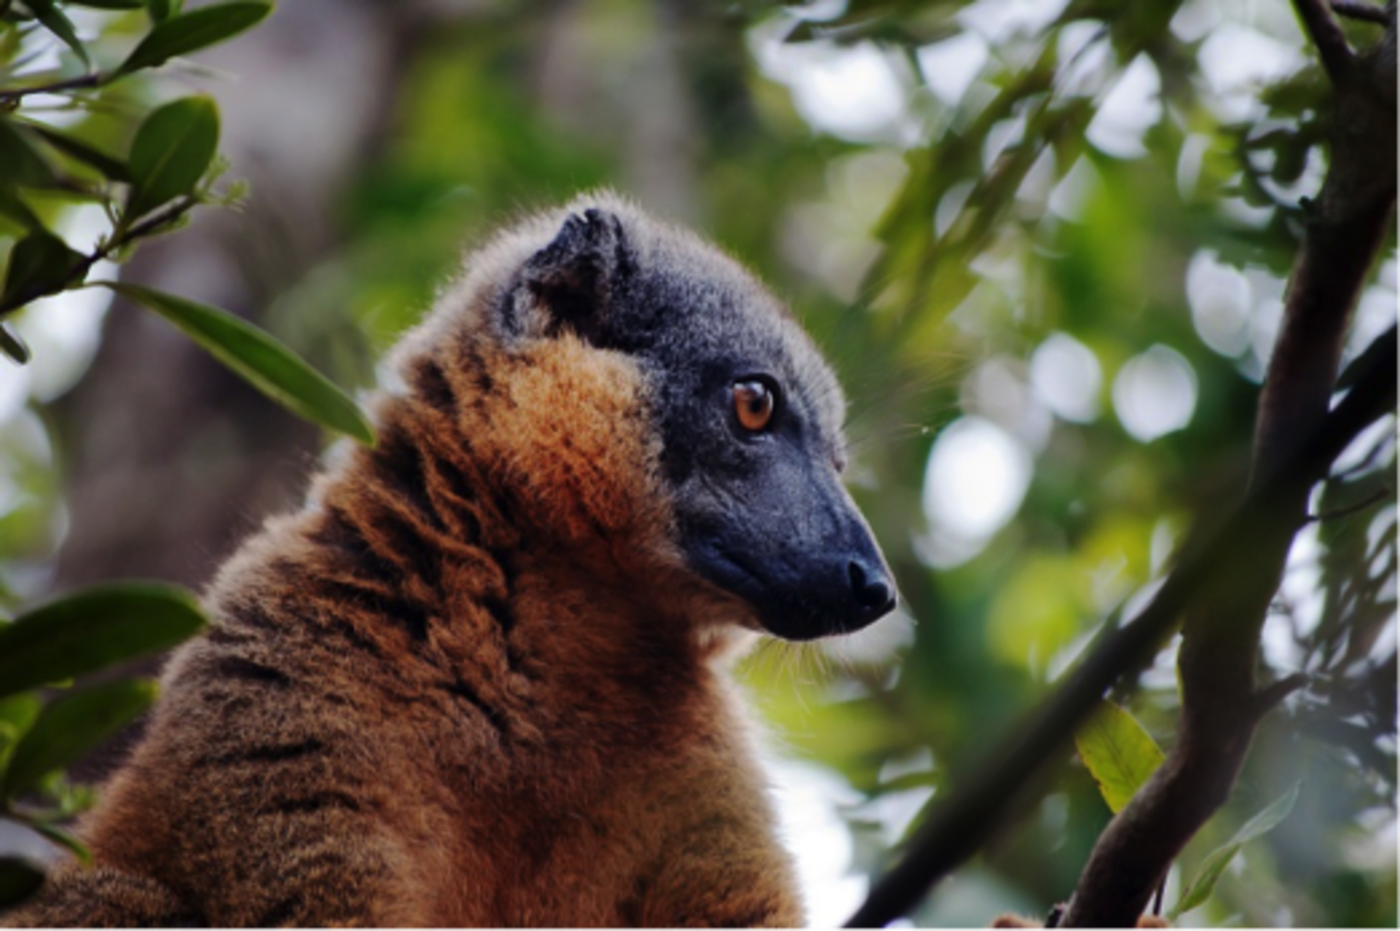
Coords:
872,592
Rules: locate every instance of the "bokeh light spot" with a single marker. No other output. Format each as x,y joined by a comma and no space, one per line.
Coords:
1066,376
1220,297
1155,393
976,477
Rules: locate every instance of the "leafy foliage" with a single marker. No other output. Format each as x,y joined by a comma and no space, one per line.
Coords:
170,168
91,630
1198,890
69,727
1047,259
1119,754
260,359
189,32
88,631
173,149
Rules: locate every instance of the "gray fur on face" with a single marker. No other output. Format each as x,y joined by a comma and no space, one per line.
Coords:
762,514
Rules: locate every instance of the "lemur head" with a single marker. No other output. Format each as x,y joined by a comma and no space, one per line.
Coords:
657,383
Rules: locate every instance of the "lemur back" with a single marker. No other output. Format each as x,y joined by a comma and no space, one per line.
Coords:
479,678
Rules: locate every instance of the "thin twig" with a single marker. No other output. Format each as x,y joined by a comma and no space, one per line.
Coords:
86,81
78,273
1381,494
1356,9
1326,33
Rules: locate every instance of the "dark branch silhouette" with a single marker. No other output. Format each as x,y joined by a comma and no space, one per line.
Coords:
986,795
1221,702
1224,582
1359,9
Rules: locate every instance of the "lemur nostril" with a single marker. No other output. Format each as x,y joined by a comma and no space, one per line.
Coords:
872,590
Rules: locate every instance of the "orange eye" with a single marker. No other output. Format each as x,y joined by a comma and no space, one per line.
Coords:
753,402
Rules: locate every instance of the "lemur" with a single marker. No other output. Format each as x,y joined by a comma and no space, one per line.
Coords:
479,678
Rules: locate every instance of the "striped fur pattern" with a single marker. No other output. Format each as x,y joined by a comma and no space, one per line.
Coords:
474,682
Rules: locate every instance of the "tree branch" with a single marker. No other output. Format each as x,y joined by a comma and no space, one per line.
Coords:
1322,27
121,239
1358,9
1221,703
13,95
970,815
1225,583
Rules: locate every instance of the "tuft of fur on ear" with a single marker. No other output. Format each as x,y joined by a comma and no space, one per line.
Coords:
570,282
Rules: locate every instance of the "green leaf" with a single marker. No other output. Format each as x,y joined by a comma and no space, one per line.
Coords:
161,10
40,263
70,726
109,165
71,798
192,31
172,150
1200,887
63,839
265,363
13,345
108,4
19,879
1118,752
24,166
92,629
18,211
17,713
48,13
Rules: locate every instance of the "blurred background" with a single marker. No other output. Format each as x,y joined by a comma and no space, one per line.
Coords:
1043,242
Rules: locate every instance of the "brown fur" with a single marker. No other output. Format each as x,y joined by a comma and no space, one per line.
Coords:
471,684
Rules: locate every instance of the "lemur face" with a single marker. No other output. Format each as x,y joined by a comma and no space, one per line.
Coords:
753,449
748,413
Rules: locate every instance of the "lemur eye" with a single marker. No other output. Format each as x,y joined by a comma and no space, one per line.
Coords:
754,402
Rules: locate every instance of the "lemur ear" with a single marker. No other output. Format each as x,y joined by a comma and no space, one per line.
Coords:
571,281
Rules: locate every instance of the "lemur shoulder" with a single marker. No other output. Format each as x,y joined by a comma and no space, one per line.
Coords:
476,680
